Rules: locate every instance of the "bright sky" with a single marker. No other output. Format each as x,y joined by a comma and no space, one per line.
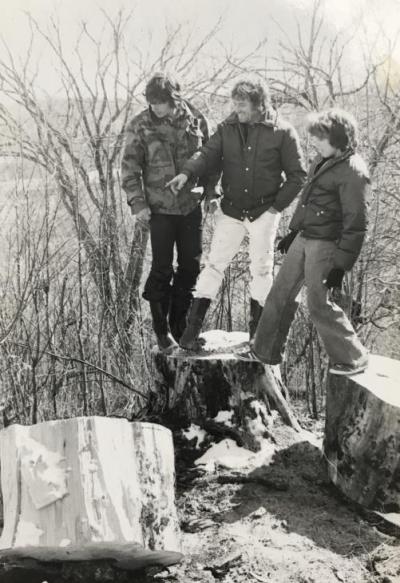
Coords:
245,21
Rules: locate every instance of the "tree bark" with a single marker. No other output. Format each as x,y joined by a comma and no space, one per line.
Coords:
89,488
194,388
362,435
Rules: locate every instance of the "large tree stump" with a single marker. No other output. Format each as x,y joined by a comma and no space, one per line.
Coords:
89,489
195,388
362,435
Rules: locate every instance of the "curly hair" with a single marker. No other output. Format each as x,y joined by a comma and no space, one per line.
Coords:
162,88
255,91
337,125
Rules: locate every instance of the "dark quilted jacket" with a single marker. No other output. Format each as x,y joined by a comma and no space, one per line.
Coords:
333,206
266,170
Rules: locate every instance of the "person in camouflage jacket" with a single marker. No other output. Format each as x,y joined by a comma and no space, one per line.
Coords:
158,142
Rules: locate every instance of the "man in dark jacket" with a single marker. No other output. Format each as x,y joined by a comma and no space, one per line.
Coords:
158,142
262,172
327,232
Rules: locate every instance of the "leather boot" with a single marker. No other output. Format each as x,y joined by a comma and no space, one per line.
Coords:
190,337
255,314
160,326
178,311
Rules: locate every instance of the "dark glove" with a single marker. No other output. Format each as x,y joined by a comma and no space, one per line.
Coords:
284,244
334,278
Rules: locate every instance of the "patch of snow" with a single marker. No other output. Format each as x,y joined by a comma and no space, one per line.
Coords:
381,378
229,455
257,426
194,431
28,534
220,339
224,417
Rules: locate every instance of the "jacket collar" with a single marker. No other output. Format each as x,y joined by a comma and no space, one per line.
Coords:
329,163
269,119
182,111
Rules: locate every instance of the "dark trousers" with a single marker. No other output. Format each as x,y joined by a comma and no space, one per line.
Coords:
166,231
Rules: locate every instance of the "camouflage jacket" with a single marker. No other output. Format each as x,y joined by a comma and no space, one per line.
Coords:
155,151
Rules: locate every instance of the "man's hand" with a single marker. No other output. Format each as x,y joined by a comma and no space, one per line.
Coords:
143,216
285,242
210,205
334,278
177,183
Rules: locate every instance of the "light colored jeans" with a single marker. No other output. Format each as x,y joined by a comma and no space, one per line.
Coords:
228,236
308,261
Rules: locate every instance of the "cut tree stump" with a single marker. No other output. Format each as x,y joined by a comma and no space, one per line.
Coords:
89,489
196,387
362,435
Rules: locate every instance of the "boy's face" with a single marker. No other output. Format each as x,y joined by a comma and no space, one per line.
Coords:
245,110
323,147
161,109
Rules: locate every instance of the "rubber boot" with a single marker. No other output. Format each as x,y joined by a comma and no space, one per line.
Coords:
255,314
190,337
160,326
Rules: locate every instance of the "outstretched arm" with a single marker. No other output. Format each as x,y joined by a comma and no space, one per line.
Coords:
206,160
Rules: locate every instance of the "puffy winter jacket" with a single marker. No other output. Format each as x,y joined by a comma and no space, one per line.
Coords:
155,151
333,206
252,169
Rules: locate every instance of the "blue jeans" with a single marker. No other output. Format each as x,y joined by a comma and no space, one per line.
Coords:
308,262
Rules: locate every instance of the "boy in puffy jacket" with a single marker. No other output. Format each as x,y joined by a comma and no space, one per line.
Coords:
327,232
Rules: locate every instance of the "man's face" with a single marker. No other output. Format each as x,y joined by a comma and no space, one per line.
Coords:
245,110
161,109
323,147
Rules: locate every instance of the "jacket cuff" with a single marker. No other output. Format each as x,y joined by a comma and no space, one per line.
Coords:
137,206
278,206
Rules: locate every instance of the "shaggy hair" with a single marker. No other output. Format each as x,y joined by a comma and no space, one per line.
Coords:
255,91
162,88
337,125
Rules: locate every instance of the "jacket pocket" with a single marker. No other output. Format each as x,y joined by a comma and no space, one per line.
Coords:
326,209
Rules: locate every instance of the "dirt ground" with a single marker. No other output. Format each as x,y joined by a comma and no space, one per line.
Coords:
281,523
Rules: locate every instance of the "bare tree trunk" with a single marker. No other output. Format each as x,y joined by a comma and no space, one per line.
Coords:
362,437
196,388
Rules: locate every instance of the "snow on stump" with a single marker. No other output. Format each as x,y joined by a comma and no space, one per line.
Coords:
194,388
362,435
89,489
